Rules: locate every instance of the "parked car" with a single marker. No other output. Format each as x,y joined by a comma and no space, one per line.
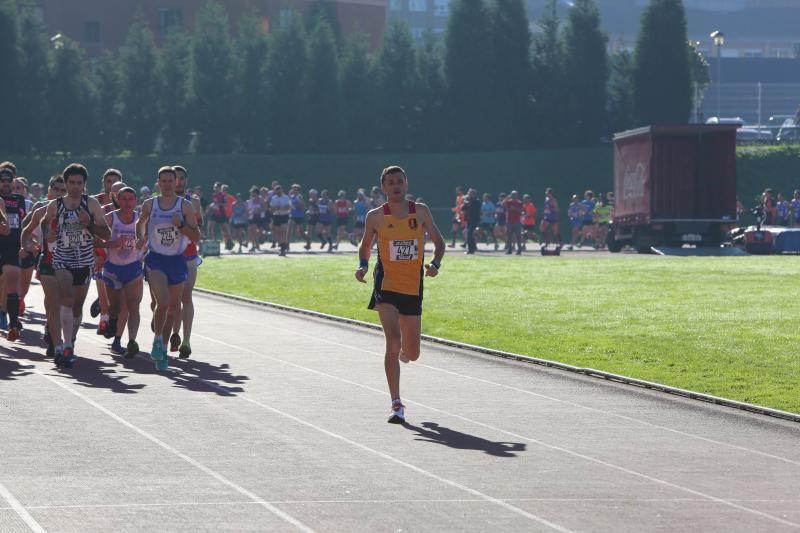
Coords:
789,132
749,134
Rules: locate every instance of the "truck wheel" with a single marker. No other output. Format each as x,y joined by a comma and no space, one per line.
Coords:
614,246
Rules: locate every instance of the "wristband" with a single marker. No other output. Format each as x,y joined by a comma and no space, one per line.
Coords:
436,264
363,263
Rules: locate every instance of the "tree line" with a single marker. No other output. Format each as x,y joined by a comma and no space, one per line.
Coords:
489,84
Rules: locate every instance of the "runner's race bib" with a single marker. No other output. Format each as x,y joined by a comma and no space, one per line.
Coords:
13,220
74,236
167,235
406,250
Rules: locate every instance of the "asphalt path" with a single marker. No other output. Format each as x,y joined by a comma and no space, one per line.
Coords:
278,423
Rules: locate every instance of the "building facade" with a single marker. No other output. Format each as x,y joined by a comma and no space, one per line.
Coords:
103,24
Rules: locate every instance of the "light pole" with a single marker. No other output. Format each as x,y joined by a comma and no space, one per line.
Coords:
719,39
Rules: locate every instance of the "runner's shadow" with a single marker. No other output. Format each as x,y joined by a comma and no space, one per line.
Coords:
433,432
192,371
11,369
96,374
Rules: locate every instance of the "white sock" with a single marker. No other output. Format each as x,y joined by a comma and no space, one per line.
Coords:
77,326
67,324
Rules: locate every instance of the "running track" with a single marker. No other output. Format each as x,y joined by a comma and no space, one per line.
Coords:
279,425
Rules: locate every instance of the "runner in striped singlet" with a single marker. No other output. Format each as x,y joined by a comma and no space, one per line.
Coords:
78,218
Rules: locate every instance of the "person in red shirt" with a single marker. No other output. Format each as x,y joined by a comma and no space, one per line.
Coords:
528,220
514,212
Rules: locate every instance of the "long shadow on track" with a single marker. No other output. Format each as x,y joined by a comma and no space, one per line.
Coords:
433,432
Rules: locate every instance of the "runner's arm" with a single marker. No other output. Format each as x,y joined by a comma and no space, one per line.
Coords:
98,226
34,219
365,248
141,224
436,237
189,227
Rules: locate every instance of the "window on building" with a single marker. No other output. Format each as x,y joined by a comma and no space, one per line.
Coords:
285,17
169,20
395,5
440,7
91,32
417,5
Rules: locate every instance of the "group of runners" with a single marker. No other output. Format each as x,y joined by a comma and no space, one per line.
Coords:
512,220
71,238
281,216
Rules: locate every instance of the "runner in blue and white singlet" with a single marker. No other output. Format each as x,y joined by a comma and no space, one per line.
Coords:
164,222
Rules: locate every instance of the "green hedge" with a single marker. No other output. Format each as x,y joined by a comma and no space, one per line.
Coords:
432,176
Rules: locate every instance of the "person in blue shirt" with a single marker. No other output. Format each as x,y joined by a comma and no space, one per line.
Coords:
795,205
486,229
588,224
783,208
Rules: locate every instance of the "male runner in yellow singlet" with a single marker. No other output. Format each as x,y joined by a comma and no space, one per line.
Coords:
399,226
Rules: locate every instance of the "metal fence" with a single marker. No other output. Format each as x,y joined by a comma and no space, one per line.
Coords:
755,103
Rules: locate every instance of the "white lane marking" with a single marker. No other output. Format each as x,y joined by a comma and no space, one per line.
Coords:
20,510
241,490
392,501
516,435
543,396
383,455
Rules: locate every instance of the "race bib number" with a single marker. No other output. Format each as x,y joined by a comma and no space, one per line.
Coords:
406,250
13,220
71,238
128,242
167,236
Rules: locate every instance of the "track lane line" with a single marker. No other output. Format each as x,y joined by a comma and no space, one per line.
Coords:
241,490
20,509
538,395
595,460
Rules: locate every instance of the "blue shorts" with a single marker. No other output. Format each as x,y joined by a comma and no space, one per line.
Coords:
193,259
576,223
173,266
117,276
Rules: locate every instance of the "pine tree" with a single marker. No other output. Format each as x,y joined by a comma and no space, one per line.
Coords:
429,128
358,95
661,74
550,102
108,85
70,97
139,87
511,75
395,72
586,72
212,80
34,70
468,70
620,114
324,10
174,97
251,109
9,88
322,86
286,70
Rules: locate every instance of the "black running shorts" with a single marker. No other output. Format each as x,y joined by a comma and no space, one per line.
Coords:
406,304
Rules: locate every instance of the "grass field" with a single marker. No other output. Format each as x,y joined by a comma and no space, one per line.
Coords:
723,326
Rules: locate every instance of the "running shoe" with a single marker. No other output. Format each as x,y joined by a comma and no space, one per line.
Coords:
13,334
131,349
94,309
58,355
3,320
21,307
69,357
111,329
398,414
50,352
102,327
162,364
157,352
174,342
185,350
116,347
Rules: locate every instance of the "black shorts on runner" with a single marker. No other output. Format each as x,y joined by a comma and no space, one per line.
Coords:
80,276
44,269
313,221
299,221
264,221
29,261
280,220
487,226
219,219
9,254
405,303
240,226
529,227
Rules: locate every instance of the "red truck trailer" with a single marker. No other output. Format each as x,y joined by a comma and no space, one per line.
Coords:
673,185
